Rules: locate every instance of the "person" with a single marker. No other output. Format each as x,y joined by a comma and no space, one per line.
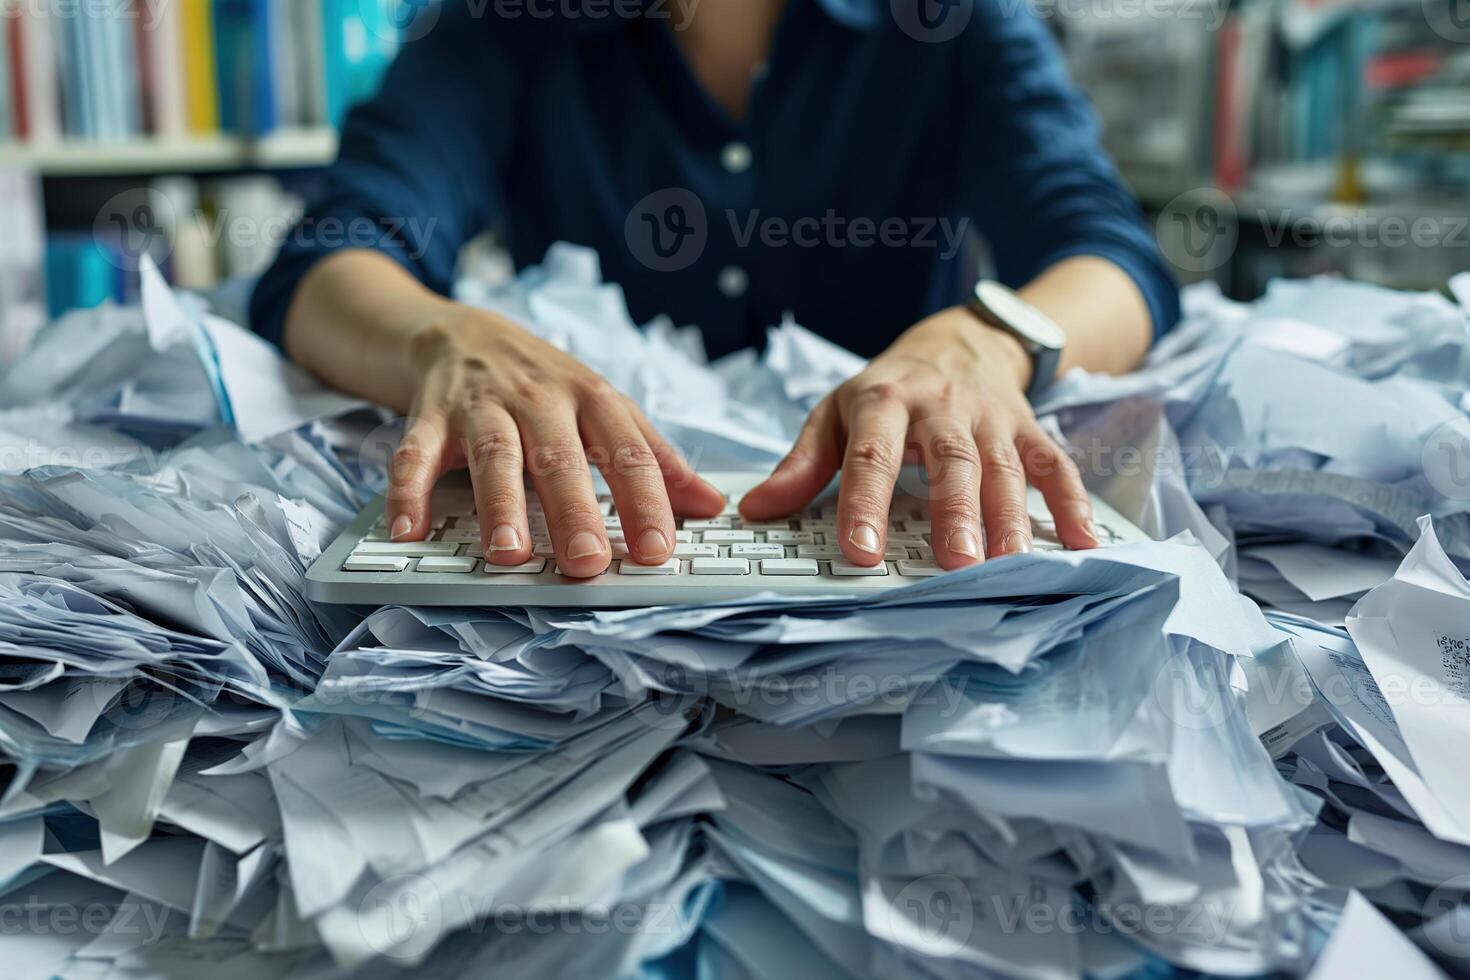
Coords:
729,160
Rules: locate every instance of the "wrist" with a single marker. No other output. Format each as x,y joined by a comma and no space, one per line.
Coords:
959,331
445,329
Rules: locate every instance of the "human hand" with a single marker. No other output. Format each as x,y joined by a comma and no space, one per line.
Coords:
492,397
950,392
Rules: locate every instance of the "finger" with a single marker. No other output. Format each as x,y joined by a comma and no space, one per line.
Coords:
804,473
689,495
947,448
416,466
492,447
1002,491
878,422
558,468
1056,475
632,472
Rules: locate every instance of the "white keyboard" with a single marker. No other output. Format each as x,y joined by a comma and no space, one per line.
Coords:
715,559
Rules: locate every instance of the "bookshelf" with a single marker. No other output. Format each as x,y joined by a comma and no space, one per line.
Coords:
282,150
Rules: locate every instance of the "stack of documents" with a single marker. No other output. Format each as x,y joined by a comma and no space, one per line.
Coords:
1234,750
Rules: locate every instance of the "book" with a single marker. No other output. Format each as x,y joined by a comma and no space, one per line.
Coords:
196,20
40,88
161,53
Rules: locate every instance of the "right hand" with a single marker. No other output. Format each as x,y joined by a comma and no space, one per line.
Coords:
495,398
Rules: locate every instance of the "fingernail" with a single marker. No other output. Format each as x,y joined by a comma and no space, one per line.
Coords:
402,524
865,538
963,542
652,542
1016,543
504,538
1091,530
584,544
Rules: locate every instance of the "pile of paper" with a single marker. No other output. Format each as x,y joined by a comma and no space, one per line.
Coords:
1106,764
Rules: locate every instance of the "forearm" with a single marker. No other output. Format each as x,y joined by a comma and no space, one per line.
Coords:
1101,309
351,320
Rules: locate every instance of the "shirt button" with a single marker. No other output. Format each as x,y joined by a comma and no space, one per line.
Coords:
733,281
736,157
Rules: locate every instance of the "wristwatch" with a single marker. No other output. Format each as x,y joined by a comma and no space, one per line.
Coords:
1038,333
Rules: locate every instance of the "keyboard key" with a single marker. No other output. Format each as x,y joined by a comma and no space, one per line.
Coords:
466,536
819,527
766,526
534,567
847,568
696,551
544,550
556,569
917,527
729,537
374,563
757,551
790,537
788,566
925,552
459,565
919,569
376,534
619,549
407,549
670,567
683,537
719,566
707,524
819,551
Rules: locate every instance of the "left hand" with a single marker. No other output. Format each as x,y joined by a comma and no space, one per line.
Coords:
951,393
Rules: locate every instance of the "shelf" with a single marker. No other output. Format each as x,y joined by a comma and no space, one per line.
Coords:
279,151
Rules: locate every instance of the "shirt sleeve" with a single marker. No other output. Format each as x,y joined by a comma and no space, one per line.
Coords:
1035,176
419,169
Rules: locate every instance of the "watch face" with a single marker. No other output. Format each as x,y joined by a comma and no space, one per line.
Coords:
1020,315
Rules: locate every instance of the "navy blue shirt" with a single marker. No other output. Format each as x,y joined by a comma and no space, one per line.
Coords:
877,135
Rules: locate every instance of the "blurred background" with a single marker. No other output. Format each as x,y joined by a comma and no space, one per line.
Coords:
1263,137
